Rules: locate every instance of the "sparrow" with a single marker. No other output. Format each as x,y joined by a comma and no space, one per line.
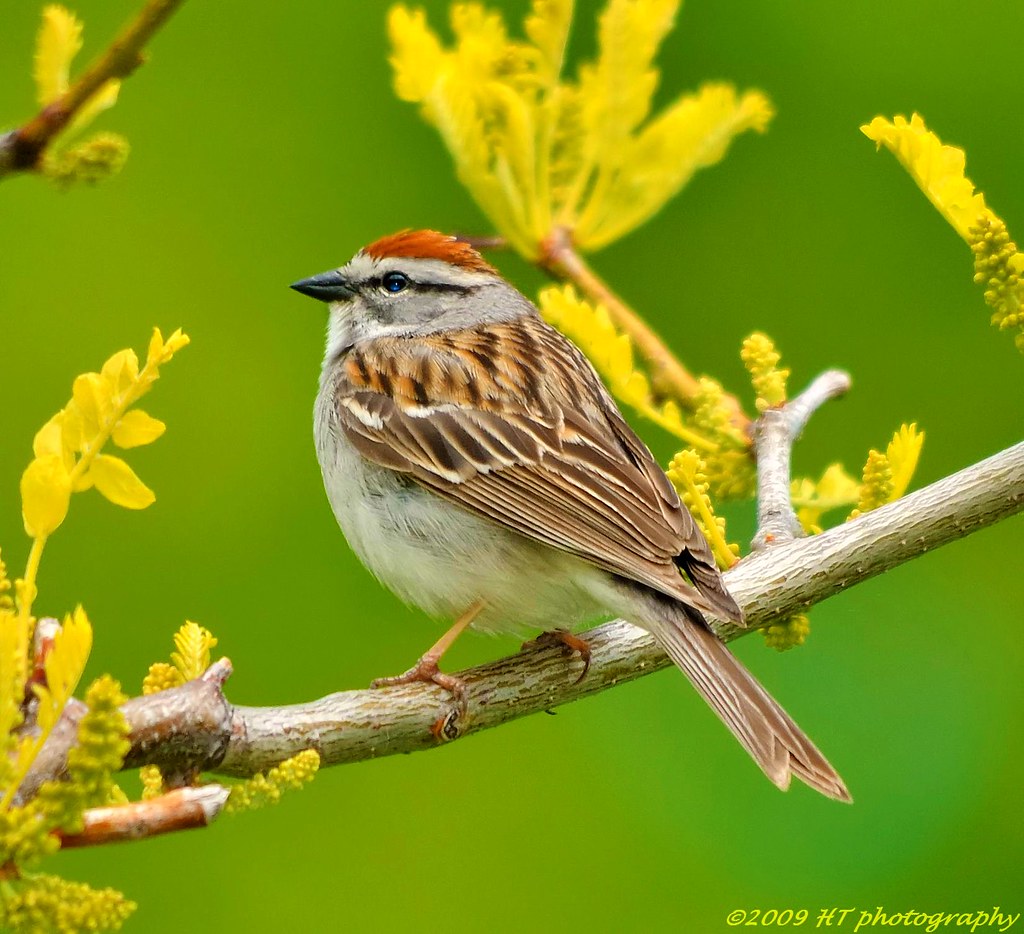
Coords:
478,468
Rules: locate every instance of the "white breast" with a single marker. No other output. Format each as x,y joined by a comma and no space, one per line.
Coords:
442,558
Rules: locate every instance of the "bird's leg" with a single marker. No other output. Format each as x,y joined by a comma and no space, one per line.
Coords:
573,643
426,669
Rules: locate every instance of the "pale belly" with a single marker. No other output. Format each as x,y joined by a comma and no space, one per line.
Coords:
443,559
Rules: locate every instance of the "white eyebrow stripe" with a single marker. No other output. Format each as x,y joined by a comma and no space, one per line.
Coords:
362,268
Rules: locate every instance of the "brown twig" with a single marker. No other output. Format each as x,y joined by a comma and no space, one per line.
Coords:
182,809
668,376
22,149
774,434
492,242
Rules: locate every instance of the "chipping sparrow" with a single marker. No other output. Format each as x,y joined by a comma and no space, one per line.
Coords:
479,469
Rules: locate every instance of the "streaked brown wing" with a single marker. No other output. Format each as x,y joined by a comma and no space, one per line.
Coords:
557,463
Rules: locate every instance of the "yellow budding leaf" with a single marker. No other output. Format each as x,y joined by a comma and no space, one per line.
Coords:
160,351
762,362
118,483
121,371
537,149
137,428
939,172
103,99
52,440
64,666
903,453
417,58
58,42
45,495
193,643
937,169
91,396
547,26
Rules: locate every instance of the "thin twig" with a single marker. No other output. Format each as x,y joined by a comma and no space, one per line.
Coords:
182,809
22,149
195,725
492,242
669,377
774,434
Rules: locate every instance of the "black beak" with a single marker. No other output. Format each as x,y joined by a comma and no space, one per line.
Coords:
327,287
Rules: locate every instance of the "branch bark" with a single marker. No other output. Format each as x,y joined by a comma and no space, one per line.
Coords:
22,149
182,809
194,726
774,434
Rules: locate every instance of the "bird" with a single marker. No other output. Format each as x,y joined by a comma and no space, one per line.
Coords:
478,467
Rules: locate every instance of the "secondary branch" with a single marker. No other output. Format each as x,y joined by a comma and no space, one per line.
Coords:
21,149
560,259
775,433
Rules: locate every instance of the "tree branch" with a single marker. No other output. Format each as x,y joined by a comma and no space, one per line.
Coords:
182,809
194,725
774,434
560,259
22,149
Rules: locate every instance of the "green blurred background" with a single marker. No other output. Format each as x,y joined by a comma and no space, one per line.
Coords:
267,145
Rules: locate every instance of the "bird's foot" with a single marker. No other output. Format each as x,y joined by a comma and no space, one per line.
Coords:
446,727
571,643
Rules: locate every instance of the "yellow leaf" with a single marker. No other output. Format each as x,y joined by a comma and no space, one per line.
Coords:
137,428
175,342
64,666
58,42
937,169
193,643
156,348
50,441
619,87
903,453
45,494
103,99
417,57
118,483
120,371
160,351
72,427
92,398
547,25
83,482
693,133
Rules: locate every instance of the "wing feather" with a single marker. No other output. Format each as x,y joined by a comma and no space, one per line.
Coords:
557,464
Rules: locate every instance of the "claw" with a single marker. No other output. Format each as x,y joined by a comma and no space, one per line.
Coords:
446,727
574,644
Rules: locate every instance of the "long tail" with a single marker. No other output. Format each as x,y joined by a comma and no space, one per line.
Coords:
765,730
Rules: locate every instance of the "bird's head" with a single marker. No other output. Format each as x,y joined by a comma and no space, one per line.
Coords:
412,282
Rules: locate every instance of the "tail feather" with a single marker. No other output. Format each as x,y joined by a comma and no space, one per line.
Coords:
763,728
708,581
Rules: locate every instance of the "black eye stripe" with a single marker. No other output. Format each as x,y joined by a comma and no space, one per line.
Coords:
378,282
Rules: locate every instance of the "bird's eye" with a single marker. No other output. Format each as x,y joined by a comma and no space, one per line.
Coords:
394,282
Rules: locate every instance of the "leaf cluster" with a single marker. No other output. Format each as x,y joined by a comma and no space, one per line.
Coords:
68,457
539,151
939,171
96,157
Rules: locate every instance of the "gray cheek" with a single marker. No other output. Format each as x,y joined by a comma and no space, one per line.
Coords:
382,309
